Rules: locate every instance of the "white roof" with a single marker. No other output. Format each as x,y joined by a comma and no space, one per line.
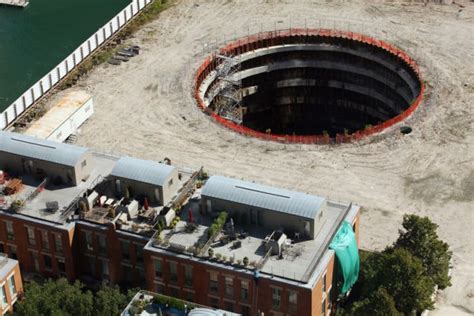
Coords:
266,197
46,150
145,171
58,114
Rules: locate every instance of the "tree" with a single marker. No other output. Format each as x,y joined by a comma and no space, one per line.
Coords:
379,303
403,277
420,238
59,297
55,298
109,301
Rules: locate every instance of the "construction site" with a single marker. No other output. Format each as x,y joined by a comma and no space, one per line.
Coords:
362,101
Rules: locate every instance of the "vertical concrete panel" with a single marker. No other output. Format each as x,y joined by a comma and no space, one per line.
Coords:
100,37
93,42
70,62
46,83
11,114
134,6
115,25
107,31
50,79
3,121
121,18
28,99
18,108
36,89
54,76
78,55
128,12
62,70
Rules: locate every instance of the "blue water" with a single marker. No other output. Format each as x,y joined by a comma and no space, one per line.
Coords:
35,39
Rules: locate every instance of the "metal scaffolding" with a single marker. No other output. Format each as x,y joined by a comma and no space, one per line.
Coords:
228,102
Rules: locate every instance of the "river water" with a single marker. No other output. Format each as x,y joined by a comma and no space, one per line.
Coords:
35,39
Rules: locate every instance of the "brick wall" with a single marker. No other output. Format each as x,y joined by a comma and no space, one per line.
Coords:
46,250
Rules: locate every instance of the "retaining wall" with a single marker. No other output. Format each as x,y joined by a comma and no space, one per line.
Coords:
45,84
265,39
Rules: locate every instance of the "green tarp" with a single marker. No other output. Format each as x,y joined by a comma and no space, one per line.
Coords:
347,255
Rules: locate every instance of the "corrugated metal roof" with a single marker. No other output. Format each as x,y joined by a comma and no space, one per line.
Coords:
41,149
257,195
142,170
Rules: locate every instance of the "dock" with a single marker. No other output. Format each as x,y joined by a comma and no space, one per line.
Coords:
16,3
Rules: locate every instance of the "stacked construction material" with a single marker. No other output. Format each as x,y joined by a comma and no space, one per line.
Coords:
124,54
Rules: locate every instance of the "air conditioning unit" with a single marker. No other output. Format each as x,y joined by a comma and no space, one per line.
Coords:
52,206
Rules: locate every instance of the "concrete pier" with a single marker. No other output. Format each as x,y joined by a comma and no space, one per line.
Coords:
16,3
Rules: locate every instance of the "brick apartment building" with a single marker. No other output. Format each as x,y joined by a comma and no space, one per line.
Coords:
140,223
11,285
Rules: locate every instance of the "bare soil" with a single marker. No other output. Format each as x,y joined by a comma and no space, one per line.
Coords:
145,108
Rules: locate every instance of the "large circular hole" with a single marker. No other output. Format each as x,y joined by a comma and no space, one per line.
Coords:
301,83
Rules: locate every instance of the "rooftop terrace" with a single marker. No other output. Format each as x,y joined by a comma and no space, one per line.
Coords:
133,214
32,195
278,254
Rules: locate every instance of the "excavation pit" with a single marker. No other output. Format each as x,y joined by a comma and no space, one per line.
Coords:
309,86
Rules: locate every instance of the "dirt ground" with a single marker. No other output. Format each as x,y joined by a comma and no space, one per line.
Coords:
144,108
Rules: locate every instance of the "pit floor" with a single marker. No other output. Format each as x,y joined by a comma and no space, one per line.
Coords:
144,108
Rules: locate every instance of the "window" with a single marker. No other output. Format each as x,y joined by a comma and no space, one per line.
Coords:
91,266
174,292
158,268
229,287
292,301
58,243
125,247
61,266
138,253
324,283
102,244
173,272
141,275
83,163
244,290
12,252
88,238
245,310
126,274
12,285
170,182
2,248
188,275
213,282
160,288
34,258
104,269
9,228
229,306
45,239
30,232
4,296
189,296
276,297
214,302
47,262
323,307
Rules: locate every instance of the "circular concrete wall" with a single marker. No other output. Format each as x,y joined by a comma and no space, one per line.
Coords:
309,86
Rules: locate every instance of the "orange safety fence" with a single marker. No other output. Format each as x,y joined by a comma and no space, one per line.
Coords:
264,39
